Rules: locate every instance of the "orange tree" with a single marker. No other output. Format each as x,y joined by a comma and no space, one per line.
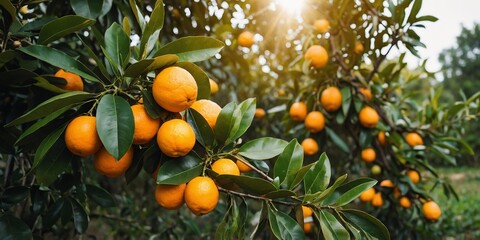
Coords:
97,96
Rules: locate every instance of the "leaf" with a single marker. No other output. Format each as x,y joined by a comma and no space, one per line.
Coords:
6,57
151,106
320,196
14,195
53,213
117,47
138,14
100,196
115,124
417,5
58,162
428,18
331,227
337,140
203,132
200,77
37,24
61,27
179,170
299,177
356,188
262,148
282,193
145,66
192,49
80,217
60,59
227,124
152,29
283,226
12,228
137,163
346,100
440,152
288,163
91,8
247,109
10,9
249,184
367,223
318,177
52,142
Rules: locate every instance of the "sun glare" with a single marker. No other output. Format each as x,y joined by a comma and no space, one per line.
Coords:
293,7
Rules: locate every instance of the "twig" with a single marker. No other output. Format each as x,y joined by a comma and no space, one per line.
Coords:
336,56
239,158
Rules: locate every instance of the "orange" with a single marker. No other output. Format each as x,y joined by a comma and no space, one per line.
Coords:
213,87
74,82
315,121
366,93
405,202
358,48
145,126
201,195
382,138
413,139
81,136
107,165
317,55
414,176
368,155
260,113
170,196
245,39
431,211
331,99
243,167
208,109
368,117
310,146
307,212
377,200
396,192
367,196
387,183
321,25
176,138
225,166
298,111
307,227
174,89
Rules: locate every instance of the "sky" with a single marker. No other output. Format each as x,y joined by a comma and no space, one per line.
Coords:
442,34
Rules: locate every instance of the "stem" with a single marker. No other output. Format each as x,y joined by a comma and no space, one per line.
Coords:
239,158
337,57
382,57
246,195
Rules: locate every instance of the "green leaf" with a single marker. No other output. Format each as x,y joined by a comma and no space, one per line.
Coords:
53,213
249,184
152,29
151,106
91,8
337,140
262,148
203,132
14,195
138,14
440,153
54,164
318,177
145,66
117,47
61,27
354,189
115,124
282,193
6,57
321,196
192,49
60,59
12,228
200,77
100,196
367,223
37,24
288,163
247,108
331,227
417,5
80,217
7,5
299,177
180,170
227,124
346,99
52,142
283,226
427,18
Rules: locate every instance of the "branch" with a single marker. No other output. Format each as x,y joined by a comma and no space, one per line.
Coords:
252,167
337,58
382,57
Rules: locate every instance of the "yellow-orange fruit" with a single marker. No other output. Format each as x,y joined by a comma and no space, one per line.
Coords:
107,165
315,121
208,109
382,139
331,99
368,155
359,48
387,183
310,146
405,202
201,195
298,111
317,55
245,39
74,82
414,176
413,139
243,167
174,89
176,138
377,200
321,25
260,113
307,212
170,196
368,117
367,196
213,87
225,166
146,127
366,93
431,211
81,136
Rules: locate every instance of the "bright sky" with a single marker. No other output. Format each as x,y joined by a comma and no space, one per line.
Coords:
442,34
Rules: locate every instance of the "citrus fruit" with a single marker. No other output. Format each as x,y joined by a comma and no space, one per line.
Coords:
367,195
321,25
170,196
366,93
382,138
307,212
174,89
74,82
413,139
331,99
310,146
405,202
377,200
317,55
368,155
307,227
376,170
358,48
387,183
245,39
107,165
368,117
260,113
81,136
225,166
175,138
201,195
145,126
208,109
243,167
396,192
213,87
298,111
315,121
431,211
414,176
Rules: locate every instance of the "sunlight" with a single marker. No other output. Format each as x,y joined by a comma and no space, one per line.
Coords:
292,7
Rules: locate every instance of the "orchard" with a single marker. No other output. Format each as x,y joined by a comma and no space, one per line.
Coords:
268,119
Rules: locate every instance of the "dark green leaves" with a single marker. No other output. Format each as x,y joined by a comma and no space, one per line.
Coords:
283,226
366,223
13,195
100,196
350,191
331,227
115,124
251,185
152,29
317,177
117,48
203,132
91,8
288,163
227,124
179,170
262,148
63,26
192,49
80,217
147,65
12,228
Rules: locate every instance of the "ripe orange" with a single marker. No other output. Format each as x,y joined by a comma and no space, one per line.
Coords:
396,192
107,165
81,136
321,25
367,196
315,121
414,176
310,146
145,126
387,183
331,99
213,87
260,113
405,202
318,56
358,48
382,138
431,211
170,196
174,89
307,227
368,155
74,82
243,167
245,39
208,109
413,139
368,117
225,166
176,138
366,93
201,195
298,111
377,200
307,212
